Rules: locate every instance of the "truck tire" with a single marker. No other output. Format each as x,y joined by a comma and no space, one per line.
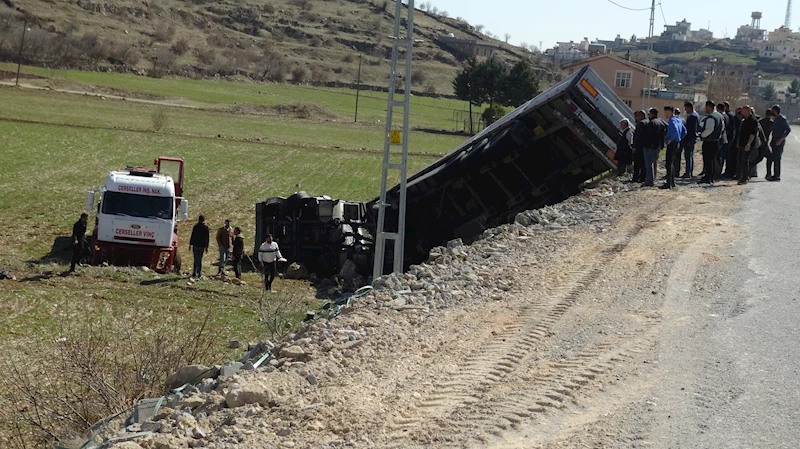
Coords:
176,264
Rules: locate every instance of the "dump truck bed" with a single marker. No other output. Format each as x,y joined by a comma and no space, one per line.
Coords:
539,154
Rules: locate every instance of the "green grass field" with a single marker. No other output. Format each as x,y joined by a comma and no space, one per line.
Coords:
57,146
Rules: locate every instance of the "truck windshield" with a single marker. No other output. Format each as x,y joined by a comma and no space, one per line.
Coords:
116,203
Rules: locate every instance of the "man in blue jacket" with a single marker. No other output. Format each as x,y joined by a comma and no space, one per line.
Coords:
688,143
676,131
780,130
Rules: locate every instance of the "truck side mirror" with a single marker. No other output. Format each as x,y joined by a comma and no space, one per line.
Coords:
90,198
184,209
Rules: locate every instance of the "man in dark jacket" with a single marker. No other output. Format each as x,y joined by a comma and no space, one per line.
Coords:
688,143
639,136
654,143
780,131
198,244
624,154
747,144
731,124
78,241
238,251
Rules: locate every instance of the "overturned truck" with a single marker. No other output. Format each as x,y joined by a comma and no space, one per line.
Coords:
540,154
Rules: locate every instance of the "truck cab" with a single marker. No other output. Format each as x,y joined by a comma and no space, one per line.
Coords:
137,216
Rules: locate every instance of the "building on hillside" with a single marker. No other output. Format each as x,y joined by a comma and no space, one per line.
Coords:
614,45
782,44
638,85
468,47
751,35
683,30
569,51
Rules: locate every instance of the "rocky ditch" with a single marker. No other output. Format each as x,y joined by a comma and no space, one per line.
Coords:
292,398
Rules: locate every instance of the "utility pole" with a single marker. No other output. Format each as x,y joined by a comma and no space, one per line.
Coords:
21,47
358,86
396,137
648,62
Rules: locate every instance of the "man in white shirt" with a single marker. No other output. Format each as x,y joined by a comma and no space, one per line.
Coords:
269,255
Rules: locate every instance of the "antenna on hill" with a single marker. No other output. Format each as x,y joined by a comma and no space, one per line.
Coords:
788,20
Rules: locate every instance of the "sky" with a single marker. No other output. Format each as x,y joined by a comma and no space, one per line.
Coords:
534,21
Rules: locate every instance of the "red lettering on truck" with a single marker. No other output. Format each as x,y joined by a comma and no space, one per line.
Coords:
128,232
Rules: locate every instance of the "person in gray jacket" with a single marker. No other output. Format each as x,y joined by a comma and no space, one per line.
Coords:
780,130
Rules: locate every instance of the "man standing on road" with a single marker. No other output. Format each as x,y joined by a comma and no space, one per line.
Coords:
713,131
198,244
269,254
639,138
78,241
675,134
224,240
238,251
624,154
654,142
763,150
746,145
688,143
780,130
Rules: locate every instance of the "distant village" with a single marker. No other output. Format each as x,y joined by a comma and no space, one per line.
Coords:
679,64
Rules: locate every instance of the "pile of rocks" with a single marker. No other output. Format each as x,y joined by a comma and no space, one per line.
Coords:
291,399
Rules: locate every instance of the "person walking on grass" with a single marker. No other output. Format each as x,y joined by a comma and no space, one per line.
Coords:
780,130
198,244
224,240
688,143
654,142
675,134
712,133
78,241
269,255
238,251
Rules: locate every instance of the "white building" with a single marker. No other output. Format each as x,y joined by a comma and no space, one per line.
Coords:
781,88
782,44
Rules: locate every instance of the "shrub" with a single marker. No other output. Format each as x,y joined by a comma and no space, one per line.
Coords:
430,89
298,75
164,32
205,55
491,114
181,46
348,58
159,119
319,75
418,76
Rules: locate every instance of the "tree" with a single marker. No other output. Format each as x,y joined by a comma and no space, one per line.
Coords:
507,37
633,38
444,14
520,85
479,28
491,79
466,87
726,88
524,46
794,88
769,93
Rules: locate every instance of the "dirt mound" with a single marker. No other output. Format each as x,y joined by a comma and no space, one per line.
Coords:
294,110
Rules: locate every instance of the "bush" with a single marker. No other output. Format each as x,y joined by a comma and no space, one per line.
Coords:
205,55
164,32
348,58
95,369
490,115
418,76
319,75
181,46
159,119
430,89
126,54
298,75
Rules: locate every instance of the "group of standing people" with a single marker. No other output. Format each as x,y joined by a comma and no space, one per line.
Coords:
230,242
733,143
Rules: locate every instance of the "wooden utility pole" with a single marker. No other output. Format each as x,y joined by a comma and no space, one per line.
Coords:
358,86
21,47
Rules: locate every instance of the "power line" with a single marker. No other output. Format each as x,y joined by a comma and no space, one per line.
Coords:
662,13
625,7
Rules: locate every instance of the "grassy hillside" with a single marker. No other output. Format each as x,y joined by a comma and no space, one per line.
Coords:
298,40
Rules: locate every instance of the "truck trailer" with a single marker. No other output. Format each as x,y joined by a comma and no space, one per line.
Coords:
137,216
540,154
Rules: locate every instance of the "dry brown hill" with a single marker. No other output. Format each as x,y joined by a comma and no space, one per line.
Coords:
298,40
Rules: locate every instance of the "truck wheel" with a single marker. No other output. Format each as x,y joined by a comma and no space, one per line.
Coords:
176,265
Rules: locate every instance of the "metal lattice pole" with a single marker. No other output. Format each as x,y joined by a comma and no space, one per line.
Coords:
391,139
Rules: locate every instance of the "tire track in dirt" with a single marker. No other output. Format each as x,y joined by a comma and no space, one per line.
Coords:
516,342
